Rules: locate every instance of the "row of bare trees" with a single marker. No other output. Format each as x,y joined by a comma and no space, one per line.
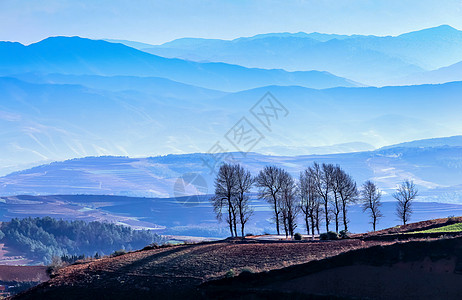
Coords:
232,186
323,194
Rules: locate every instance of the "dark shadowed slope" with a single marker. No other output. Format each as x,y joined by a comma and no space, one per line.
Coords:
412,270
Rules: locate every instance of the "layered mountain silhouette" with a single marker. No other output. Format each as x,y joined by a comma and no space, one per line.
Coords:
80,56
88,115
368,59
441,75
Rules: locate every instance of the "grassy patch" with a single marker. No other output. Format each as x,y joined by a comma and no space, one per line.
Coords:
448,228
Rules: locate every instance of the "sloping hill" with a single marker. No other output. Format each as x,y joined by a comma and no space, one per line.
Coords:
287,269
412,270
175,272
431,169
80,56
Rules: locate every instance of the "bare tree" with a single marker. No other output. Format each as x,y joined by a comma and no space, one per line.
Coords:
371,201
336,183
269,183
224,198
309,202
317,215
322,176
347,192
289,207
406,193
244,182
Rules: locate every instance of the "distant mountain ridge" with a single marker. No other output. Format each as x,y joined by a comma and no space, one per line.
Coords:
80,56
441,75
452,141
374,60
94,115
436,171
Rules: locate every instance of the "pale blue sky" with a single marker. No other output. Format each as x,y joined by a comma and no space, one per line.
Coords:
154,22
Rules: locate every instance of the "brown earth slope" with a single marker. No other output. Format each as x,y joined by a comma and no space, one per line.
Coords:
175,272
411,270
178,271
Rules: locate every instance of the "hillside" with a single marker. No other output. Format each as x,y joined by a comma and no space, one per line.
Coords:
175,272
81,56
432,268
280,267
434,169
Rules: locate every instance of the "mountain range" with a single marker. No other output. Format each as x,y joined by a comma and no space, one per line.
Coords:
71,97
373,60
80,56
435,165
58,117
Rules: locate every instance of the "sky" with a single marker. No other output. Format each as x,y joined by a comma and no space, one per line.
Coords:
159,21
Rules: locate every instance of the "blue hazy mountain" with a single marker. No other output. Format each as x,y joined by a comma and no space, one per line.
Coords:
132,44
304,150
79,56
435,170
151,85
367,59
453,141
49,122
441,75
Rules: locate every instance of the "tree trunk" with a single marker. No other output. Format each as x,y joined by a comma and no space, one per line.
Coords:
336,222
307,224
230,222
326,207
312,227
337,212
276,213
345,223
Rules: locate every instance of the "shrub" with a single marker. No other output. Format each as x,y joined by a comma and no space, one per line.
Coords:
118,253
246,271
344,234
230,273
328,236
248,234
55,265
297,237
451,219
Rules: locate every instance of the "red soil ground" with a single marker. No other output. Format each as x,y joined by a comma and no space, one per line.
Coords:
9,256
177,271
23,273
